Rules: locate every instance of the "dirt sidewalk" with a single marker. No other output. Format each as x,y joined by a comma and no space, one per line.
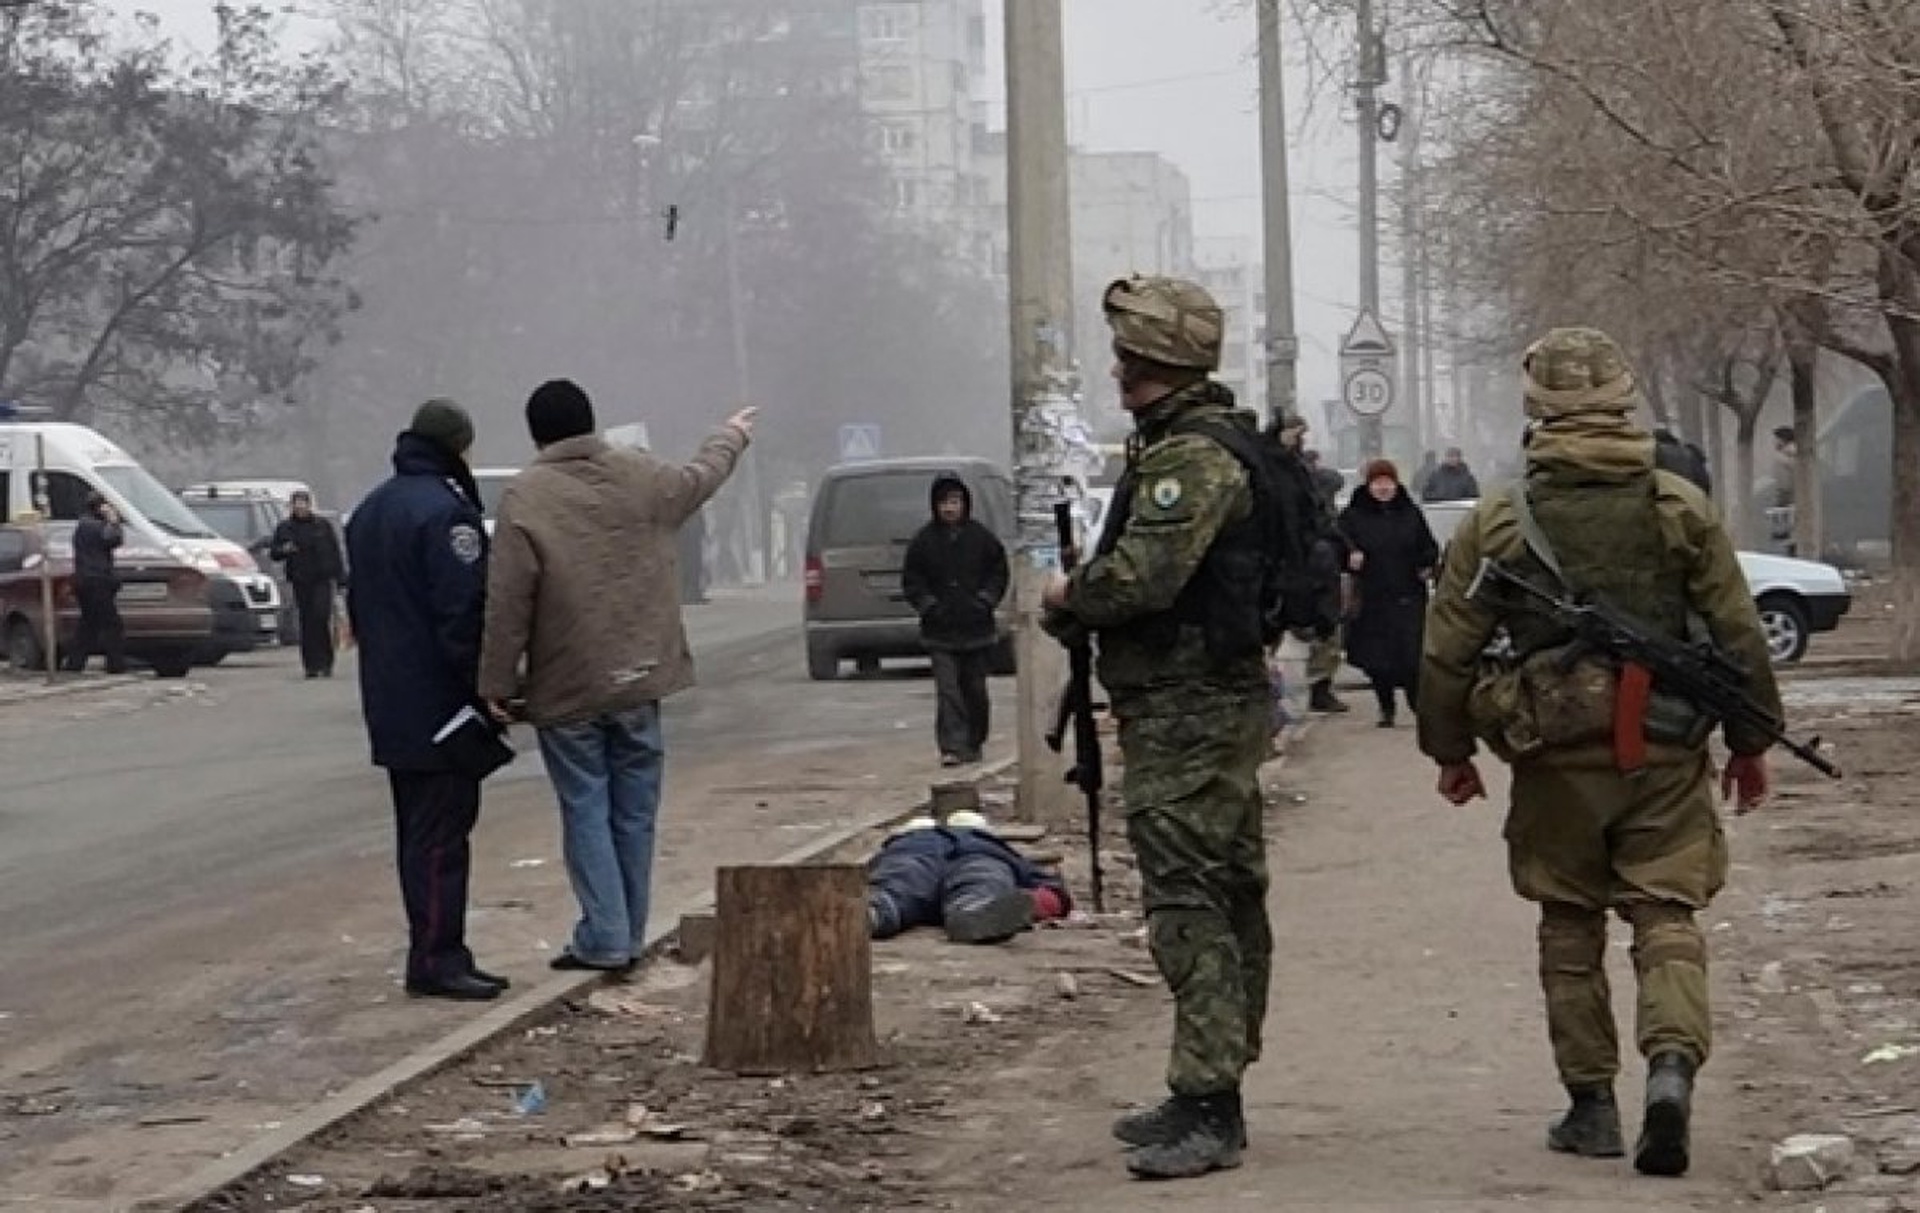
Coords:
1407,1063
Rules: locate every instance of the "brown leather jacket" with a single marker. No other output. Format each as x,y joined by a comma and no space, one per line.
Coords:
584,578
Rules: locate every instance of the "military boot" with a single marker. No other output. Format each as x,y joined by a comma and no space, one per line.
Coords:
1663,1133
1158,1125
1591,1127
1322,699
1205,1133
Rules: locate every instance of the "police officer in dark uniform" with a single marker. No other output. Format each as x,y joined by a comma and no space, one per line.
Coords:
418,548
96,585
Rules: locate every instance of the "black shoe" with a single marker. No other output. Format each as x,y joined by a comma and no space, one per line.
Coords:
313,673
567,962
1385,721
1322,698
950,760
1205,1133
1662,1149
1591,1127
1158,1125
490,978
999,920
463,988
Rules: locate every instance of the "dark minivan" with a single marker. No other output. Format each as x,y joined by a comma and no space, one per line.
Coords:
864,516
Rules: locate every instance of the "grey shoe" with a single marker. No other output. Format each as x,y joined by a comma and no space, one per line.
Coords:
1663,1146
1200,1134
997,921
1591,1127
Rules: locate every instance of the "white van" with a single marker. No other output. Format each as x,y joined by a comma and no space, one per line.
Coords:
79,462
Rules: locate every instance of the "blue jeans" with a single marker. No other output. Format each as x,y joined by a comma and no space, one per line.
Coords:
606,772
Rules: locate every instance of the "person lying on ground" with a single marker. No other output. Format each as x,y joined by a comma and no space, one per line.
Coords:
961,876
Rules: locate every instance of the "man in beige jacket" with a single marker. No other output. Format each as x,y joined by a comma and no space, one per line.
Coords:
584,584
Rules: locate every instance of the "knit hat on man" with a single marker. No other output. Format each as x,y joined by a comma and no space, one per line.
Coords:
558,410
445,424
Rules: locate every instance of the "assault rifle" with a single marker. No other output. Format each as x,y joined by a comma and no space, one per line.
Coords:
1076,708
1699,673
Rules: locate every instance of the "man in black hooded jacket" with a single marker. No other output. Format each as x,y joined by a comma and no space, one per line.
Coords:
955,576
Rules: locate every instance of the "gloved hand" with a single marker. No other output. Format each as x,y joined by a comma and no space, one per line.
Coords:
1460,782
1064,627
1746,774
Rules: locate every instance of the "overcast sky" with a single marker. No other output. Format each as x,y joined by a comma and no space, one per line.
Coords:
1177,77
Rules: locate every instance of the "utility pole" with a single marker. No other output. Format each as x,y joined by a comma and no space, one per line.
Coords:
1366,86
1412,258
1040,292
1283,344
752,511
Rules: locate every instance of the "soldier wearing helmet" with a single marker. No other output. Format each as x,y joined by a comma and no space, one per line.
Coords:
1612,803
1179,625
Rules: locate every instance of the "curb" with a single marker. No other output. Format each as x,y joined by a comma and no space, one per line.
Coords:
366,1092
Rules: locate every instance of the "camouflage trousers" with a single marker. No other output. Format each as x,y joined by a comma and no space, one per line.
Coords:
1583,839
1194,811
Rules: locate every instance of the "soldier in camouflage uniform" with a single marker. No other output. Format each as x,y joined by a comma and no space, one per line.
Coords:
1602,817
1181,658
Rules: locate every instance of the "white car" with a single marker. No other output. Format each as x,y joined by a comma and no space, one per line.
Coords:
1796,598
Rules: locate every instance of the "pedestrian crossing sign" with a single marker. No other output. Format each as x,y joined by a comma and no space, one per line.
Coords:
859,442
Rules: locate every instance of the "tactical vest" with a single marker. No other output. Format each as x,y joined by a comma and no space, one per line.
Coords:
1224,596
1610,543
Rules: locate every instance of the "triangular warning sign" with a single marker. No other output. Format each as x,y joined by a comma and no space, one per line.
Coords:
1367,336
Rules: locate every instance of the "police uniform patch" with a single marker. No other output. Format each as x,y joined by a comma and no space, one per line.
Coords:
466,543
1166,493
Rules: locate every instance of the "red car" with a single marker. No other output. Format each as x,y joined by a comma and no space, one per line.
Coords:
165,604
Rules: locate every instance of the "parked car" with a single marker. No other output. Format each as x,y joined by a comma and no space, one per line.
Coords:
249,517
864,517
164,603
1796,598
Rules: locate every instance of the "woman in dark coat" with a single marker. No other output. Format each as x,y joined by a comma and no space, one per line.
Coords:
1393,554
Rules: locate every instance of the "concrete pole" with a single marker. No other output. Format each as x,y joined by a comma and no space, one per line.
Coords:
752,509
1412,256
1040,292
1368,103
1283,344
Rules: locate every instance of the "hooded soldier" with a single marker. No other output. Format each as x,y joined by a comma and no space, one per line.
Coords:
1612,797
1173,595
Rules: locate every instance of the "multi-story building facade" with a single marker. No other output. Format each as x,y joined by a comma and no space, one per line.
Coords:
1230,271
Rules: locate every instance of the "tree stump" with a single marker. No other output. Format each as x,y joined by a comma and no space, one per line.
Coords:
792,971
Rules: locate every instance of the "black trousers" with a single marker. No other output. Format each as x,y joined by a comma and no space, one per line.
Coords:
101,630
960,681
314,599
434,814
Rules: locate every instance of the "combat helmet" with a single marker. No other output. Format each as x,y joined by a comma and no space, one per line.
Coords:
1578,370
1166,320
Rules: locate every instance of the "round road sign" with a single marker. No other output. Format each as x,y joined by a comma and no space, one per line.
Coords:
1369,392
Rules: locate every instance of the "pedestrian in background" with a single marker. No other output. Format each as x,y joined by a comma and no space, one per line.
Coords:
1313,498
1391,553
1611,810
585,587
306,545
96,584
1452,480
955,576
1182,657
418,545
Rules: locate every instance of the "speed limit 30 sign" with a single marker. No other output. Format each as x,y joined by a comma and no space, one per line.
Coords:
1368,391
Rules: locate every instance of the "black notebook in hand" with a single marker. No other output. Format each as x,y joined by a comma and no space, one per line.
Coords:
472,744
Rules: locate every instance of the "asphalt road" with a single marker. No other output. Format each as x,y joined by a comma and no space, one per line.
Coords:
200,918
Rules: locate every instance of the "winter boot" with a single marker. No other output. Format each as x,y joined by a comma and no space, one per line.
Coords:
995,922
1663,1133
1322,698
1160,1124
1206,1134
1591,1127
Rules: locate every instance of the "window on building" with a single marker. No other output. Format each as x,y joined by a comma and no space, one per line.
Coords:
886,22
899,139
906,194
